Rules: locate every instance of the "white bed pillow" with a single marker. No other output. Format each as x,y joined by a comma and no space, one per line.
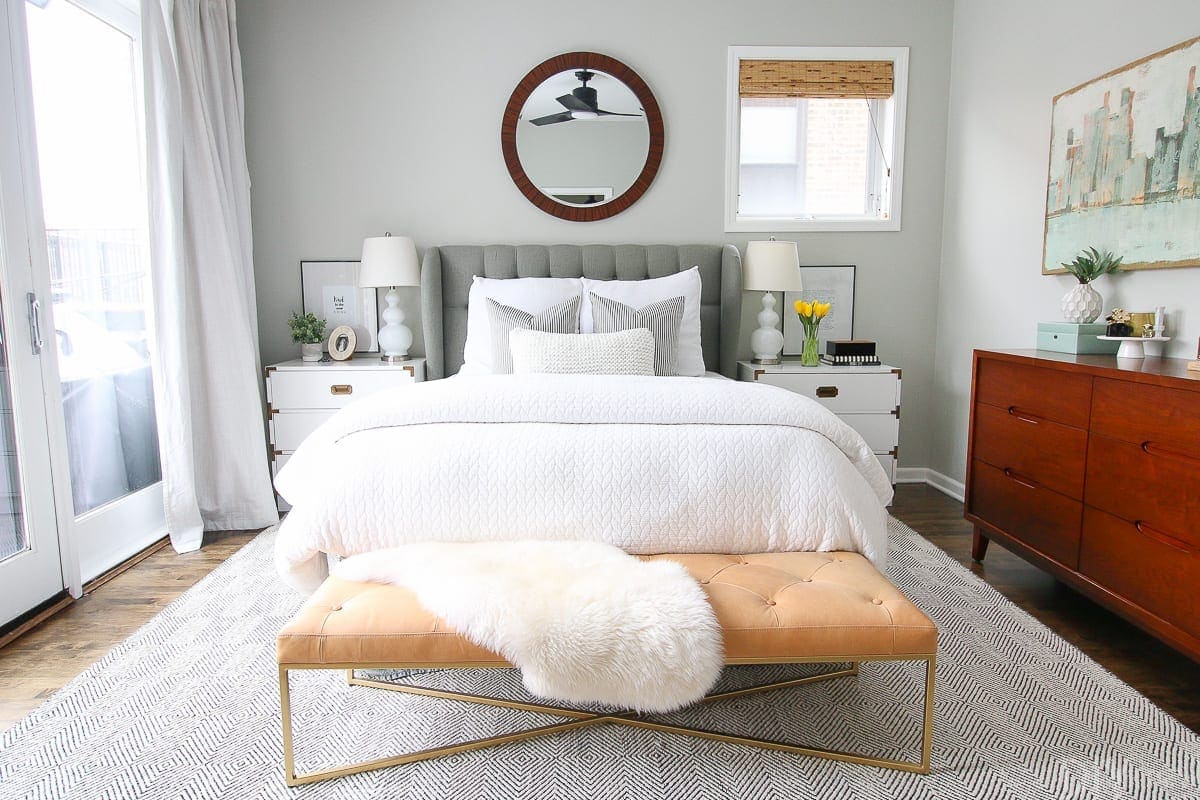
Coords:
628,352
689,355
532,295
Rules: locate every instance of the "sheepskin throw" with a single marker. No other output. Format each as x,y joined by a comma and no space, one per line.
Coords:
584,621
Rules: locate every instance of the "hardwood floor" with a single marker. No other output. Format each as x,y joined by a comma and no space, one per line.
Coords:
33,666
1169,679
36,664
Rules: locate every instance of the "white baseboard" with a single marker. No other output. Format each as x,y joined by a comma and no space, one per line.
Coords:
944,484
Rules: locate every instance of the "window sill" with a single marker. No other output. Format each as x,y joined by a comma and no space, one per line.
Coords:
775,224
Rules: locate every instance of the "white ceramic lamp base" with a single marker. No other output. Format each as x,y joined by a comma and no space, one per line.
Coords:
394,337
767,341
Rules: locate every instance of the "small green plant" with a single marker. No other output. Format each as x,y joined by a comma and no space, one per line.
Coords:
307,328
1091,264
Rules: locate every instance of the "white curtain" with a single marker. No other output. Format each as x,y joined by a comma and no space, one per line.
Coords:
207,379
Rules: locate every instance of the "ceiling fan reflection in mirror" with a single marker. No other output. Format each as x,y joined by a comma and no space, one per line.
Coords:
581,103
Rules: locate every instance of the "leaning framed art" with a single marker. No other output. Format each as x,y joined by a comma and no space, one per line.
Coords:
330,290
1125,165
833,285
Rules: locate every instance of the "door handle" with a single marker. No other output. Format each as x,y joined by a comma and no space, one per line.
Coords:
827,391
341,388
35,323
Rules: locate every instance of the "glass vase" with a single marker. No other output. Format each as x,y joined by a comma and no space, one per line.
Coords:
810,356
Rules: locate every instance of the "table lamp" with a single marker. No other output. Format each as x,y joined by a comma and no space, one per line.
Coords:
391,261
770,267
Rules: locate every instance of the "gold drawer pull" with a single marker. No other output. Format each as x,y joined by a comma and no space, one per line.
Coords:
1151,449
341,388
1163,538
1016,412
827,391
1017,477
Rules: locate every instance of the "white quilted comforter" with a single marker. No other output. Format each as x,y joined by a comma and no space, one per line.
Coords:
651,465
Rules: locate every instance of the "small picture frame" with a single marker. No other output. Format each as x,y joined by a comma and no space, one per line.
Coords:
330,290
341,343
833,285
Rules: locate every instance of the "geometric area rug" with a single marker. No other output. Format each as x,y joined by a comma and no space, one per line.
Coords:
187,707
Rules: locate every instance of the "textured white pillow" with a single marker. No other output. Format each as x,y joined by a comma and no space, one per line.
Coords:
689,355
532,295
628,352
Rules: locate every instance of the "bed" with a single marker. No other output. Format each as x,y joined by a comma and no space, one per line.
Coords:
649,464
773,506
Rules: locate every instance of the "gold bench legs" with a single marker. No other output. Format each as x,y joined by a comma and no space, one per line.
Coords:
582,719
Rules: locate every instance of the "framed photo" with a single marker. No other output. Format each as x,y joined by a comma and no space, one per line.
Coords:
1125,166
330,289
833,285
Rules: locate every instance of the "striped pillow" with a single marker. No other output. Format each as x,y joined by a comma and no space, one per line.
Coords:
662,319
562,318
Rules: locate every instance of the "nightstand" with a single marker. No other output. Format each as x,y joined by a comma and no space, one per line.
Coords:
303,394
865,398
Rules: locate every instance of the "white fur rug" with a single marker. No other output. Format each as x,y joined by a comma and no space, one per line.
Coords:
584,621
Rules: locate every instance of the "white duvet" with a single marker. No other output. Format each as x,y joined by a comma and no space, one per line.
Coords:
650,465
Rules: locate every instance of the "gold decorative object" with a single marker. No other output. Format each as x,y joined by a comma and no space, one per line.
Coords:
1140,319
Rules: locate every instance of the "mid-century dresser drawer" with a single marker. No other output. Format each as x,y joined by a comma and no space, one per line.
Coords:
1168,419
851,393
1143,484
1137,563
1053,455
1034,392
1045,520
336,388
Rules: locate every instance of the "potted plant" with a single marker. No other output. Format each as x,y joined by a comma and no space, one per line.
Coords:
1083,303
309,331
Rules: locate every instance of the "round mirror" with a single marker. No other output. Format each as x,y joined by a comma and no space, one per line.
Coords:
582,136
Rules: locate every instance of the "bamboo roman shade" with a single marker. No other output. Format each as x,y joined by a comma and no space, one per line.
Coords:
871,80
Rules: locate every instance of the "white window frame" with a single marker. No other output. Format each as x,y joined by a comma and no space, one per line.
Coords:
891,133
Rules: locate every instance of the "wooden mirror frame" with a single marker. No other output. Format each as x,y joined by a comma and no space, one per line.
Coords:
512,115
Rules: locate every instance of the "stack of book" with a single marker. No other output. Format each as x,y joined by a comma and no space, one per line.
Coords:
850,353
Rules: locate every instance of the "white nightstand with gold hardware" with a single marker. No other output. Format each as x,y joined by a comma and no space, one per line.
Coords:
865,398
303,394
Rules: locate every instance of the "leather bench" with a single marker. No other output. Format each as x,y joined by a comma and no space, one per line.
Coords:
774,608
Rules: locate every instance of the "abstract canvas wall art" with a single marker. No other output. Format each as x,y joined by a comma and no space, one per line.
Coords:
1125,164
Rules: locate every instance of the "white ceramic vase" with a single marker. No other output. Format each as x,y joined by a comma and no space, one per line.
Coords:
1082,304
310,352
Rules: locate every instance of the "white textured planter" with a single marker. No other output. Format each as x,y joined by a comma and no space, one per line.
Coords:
1082,304
310,352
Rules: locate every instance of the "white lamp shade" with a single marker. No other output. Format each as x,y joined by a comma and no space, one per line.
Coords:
772,267
389,261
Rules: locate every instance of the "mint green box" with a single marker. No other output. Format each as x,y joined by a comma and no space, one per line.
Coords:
1068,337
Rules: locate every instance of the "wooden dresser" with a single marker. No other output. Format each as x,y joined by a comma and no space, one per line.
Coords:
1090,469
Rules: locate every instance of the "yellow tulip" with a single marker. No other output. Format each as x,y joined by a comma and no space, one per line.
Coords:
804,308
799,306
820,309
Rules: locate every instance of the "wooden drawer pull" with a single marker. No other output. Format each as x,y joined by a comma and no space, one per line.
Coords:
1016,412
341,388
1163,538
1017,477
1150,448
827,391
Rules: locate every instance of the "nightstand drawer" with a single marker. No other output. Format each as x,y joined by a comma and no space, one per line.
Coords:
882,431
888,463
316,388
290,428
856,393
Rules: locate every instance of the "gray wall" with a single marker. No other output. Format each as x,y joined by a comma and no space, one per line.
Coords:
371,115
1010,59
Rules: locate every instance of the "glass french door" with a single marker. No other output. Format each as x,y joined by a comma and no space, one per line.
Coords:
30,561
85,79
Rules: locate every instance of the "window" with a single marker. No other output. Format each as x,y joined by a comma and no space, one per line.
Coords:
815,138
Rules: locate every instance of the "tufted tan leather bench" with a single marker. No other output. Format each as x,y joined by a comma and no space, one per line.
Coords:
774,608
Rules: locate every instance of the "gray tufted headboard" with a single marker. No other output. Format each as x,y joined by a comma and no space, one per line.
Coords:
447,272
